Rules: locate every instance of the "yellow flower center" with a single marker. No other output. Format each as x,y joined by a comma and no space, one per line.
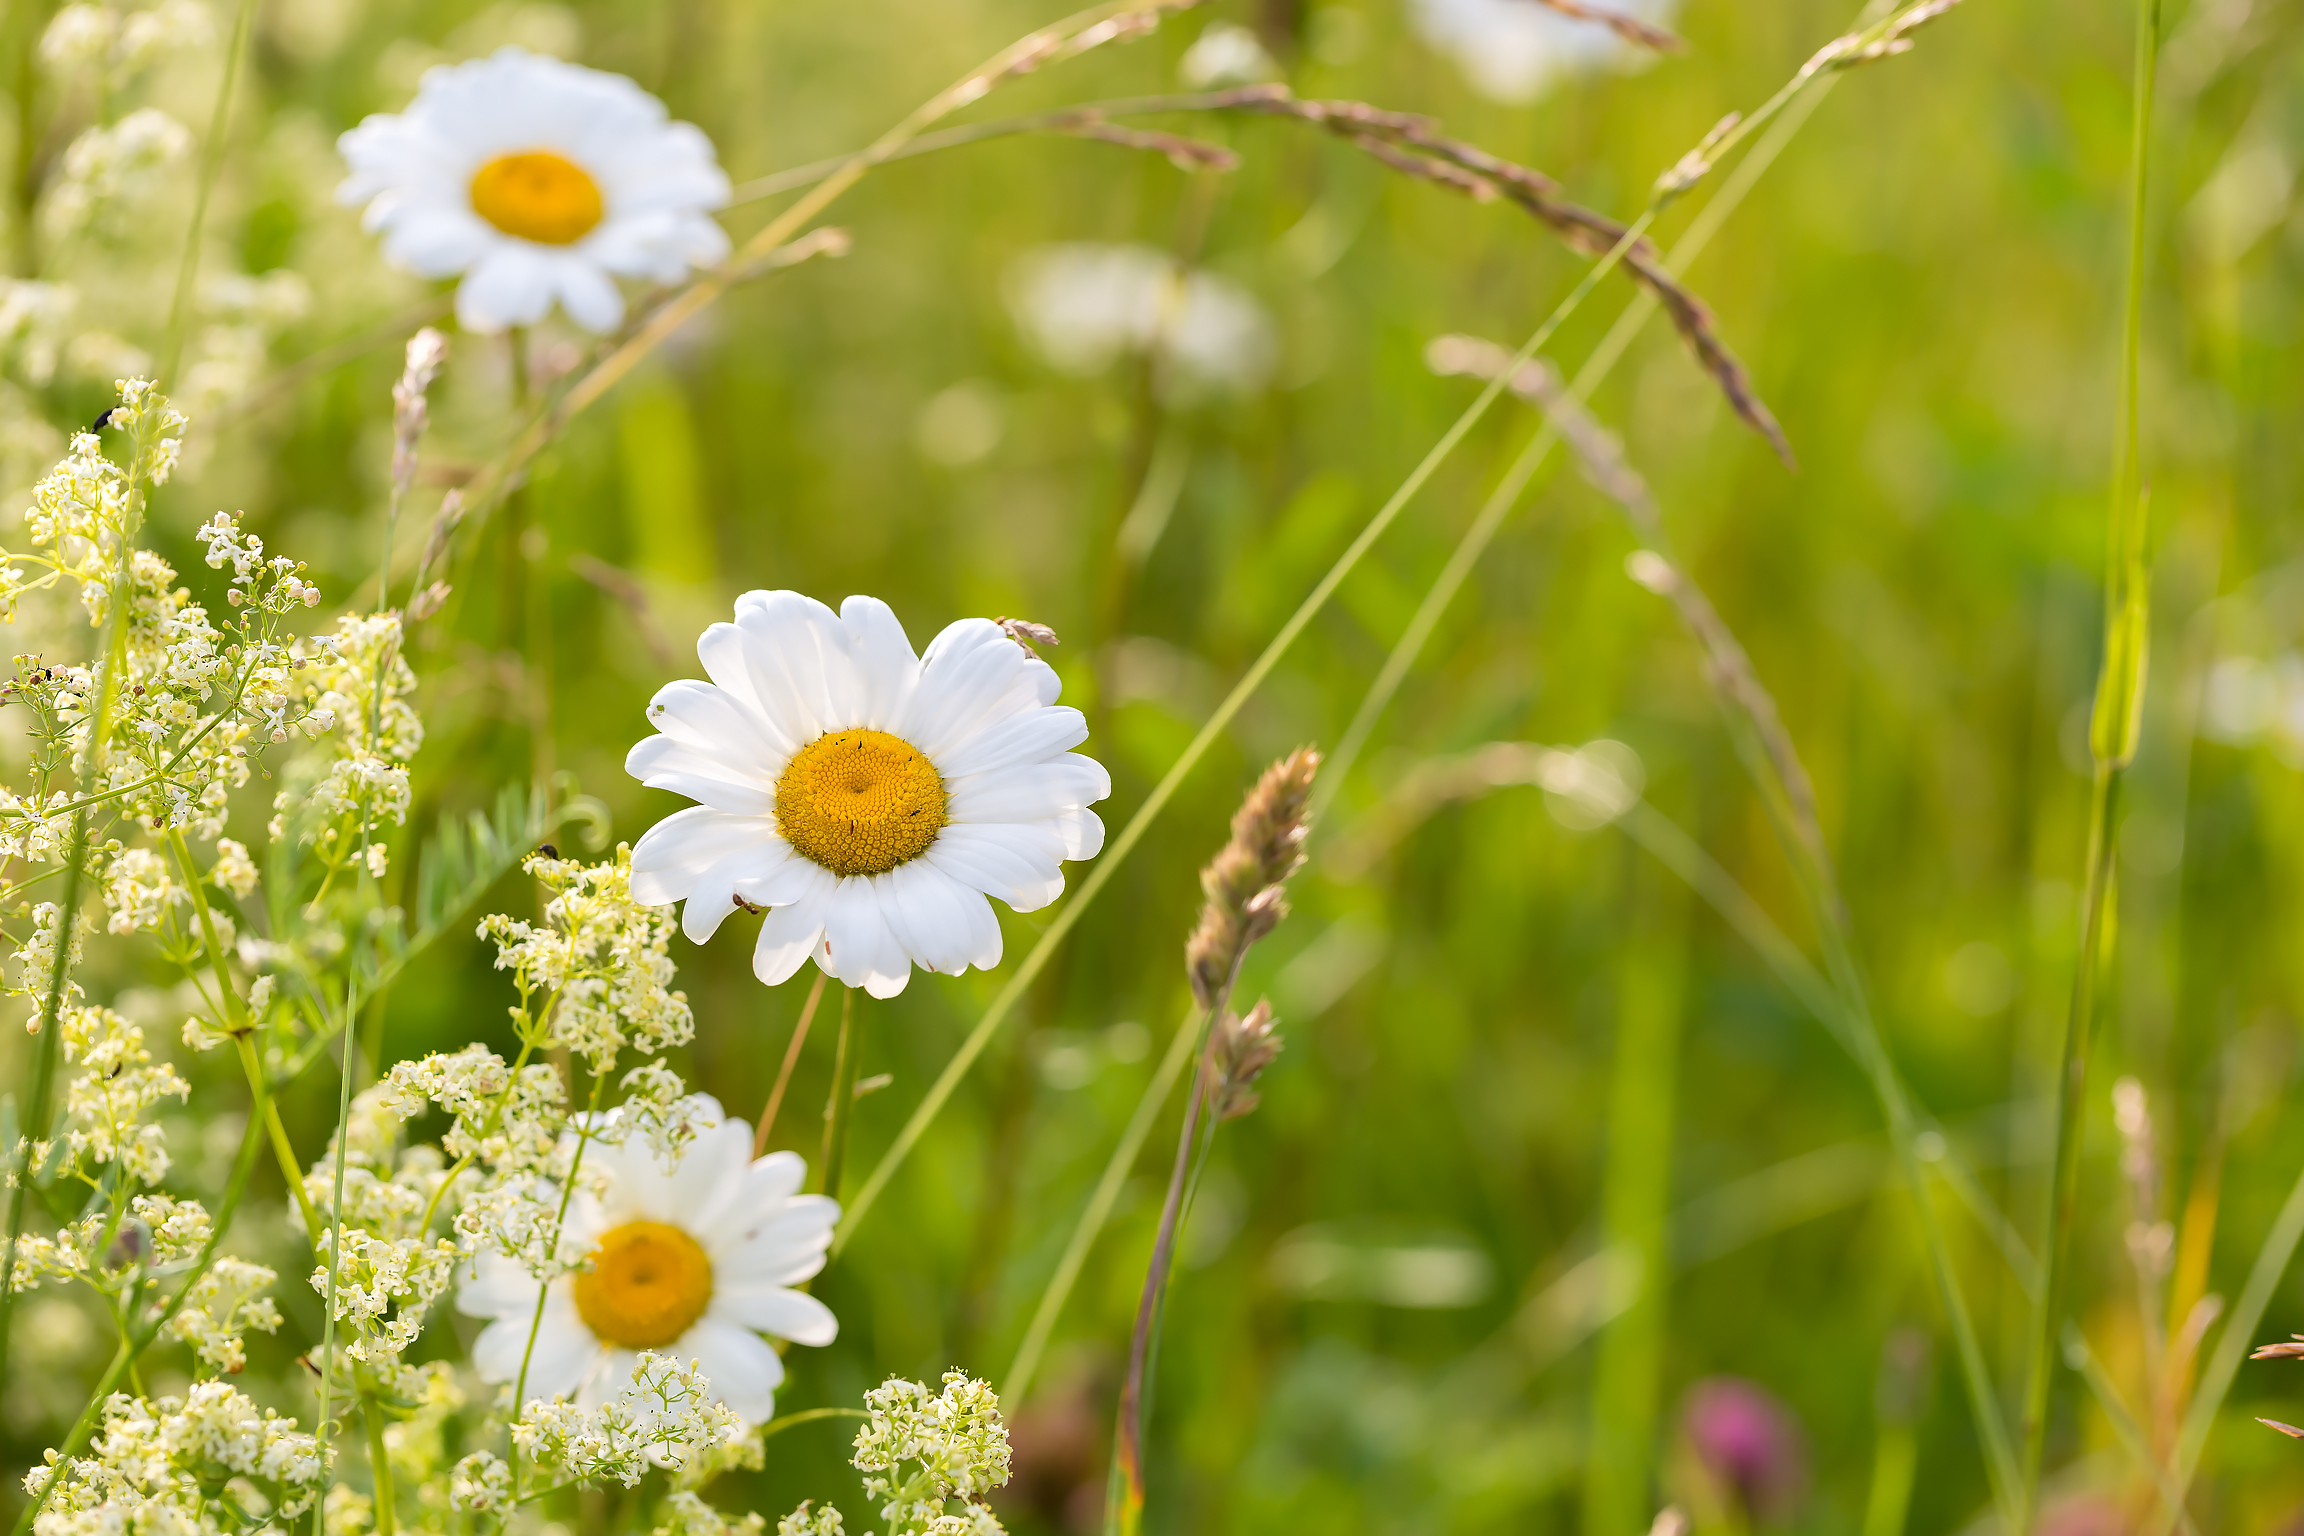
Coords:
537,195
860,802
648,1282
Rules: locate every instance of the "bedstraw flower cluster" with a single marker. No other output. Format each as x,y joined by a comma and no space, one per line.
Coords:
602,960
666,1419
923,1452
208,1462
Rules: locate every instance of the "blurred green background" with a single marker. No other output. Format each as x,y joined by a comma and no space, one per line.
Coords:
1507,1037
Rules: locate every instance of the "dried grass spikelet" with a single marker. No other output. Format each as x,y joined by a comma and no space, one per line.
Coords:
1237,1055
1414,146
1246,882
1630,28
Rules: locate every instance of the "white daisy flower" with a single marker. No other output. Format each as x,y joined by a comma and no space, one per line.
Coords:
1514,50
871,799
695,1264
537,180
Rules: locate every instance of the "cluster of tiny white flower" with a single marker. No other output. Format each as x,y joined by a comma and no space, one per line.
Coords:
208,1462
220,1307
921,1454
601,961
665,1418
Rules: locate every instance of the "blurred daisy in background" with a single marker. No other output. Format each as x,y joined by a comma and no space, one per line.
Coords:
696,1263
870,798
1084,305
539,182
1225,53
1513,51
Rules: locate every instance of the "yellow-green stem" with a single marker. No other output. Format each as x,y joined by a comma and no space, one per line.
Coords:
211,162
838,1113
379,1466
1117,851
290,1169
2071,1118
2113,731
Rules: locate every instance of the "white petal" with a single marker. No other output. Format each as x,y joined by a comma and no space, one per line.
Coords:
498,1288
1033,736
784,1249
588,294
744,1371
773,1309
605,1379
662,763
789,934
1021,865
885,663
714,719
436,241
803,660
511,285
943,924
1028,792
972,678
858,948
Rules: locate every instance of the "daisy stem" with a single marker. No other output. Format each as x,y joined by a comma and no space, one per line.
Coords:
211,162
784,1073
839,1113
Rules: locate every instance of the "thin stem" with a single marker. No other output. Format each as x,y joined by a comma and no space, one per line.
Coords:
1099,1210
559,1219
291,1171
1124,1504
251,1142
211,162
2113,732
1018,57
1853,1025
379,1467
784,1073
347,1038
1465,558
2071,1118
839,1113
777,1426
41,1108
1116,853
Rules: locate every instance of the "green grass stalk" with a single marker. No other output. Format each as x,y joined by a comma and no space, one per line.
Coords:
1098,1210
840,1113
1121,846
211,163
1465,558
1635,1198
2113,730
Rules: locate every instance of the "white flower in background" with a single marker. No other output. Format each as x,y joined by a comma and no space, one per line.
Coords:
2250,700
870,798
1225,53
35,321
107,169
1513,50
695,1263
1084,305
537,181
